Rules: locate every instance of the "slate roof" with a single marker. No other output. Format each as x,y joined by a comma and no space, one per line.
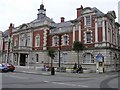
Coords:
98,12
35,23
6,33
63,24
42,19
62,27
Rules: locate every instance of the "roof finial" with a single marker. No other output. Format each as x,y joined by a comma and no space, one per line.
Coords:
42,1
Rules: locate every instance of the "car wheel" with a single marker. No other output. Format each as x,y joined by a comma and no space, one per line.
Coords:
12,70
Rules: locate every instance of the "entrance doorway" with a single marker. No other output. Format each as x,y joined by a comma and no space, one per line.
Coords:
23,58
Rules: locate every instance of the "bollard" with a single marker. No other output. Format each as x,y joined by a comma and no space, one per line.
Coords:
52,71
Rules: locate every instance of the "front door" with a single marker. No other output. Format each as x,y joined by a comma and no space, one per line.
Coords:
23,59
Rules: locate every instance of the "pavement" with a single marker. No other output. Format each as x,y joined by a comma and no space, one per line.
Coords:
38,71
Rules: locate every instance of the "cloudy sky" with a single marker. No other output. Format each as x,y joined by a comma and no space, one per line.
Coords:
24,11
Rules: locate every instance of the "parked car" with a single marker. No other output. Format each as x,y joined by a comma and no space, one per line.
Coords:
10,67
3,68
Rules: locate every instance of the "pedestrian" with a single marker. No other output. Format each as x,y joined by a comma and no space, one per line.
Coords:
80,69
75,68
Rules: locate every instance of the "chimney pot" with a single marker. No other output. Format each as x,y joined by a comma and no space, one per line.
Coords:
62,19
79,10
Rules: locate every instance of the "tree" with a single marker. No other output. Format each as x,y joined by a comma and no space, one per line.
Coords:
77,47
51,54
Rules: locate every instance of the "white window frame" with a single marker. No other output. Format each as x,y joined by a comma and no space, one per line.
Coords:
22,40
16,41
89,59
55,42
86,39
37,44
28,40
63,40
86,23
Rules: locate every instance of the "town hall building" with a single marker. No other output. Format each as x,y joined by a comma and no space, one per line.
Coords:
28,44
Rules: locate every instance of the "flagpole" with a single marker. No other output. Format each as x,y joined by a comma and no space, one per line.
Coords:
8,49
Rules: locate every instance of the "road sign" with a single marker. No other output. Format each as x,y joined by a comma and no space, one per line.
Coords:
99,57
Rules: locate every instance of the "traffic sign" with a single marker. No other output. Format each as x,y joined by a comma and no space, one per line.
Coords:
99,57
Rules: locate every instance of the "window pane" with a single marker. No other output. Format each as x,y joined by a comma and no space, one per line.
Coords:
55,41
37,43
37,58
88,58
87,20
88,37
65,40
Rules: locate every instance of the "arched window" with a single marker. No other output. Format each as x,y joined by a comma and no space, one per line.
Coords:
37,40
88,58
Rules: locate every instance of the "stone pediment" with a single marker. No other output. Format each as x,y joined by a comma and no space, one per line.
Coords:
23,26
87,10
112,14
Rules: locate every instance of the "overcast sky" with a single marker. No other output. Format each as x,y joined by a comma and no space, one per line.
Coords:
25,11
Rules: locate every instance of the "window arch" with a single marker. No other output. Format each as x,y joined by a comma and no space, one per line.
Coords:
88,58
37,40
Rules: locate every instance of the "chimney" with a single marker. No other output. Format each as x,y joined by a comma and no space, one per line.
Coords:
10,29
62,19
79,10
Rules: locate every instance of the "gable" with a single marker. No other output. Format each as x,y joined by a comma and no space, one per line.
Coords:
87,10
23,26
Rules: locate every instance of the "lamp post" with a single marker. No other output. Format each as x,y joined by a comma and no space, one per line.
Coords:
59,56
59,48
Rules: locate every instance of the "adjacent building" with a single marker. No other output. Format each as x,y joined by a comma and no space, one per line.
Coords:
1,45
119,12
28,43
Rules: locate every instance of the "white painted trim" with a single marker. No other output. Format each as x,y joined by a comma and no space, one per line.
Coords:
107,31
96,31
103,29
63,44
73,34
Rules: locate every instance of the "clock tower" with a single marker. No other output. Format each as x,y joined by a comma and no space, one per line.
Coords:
41,12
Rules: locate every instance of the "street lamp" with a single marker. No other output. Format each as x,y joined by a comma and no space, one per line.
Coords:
59,48
59,55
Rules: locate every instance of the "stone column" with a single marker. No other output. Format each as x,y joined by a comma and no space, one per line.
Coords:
96,31
103,29
107,31
44,39
18,59
73,34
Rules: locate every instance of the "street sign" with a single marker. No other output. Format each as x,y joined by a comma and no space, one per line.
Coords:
99,57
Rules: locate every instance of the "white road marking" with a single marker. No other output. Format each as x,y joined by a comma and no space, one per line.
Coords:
69,84
46,81
17,77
